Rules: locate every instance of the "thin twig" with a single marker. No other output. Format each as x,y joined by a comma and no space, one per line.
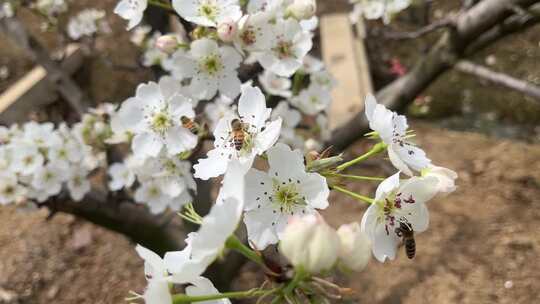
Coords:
441,23
504,80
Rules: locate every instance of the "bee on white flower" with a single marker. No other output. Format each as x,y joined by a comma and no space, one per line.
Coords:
257,135
289,44
153,115
312,100
131,10
284,191
275,85
210,68
397,202
208,12
392,129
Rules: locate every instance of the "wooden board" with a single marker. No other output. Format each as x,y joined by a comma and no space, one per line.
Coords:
34,90
346,59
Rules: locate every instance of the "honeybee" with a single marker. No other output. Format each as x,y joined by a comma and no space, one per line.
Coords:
238,133
406,232
189,124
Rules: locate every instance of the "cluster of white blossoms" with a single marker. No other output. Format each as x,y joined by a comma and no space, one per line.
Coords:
50,8
271,176
87,23
377,9
38,161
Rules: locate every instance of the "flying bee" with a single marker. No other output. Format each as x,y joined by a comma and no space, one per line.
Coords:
189,124
406,232
238,133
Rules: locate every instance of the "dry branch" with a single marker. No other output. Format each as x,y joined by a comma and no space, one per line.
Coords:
451,46
504,80
69,90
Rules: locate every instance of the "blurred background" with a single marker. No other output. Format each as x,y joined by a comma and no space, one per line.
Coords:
483,244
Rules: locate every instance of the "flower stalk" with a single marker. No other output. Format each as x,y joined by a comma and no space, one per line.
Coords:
354,195
252,293
235,244
378,148
355,177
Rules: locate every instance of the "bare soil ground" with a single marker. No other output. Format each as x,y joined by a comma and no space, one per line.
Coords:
483,235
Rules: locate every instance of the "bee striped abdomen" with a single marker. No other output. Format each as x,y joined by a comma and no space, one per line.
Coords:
410,247
238,141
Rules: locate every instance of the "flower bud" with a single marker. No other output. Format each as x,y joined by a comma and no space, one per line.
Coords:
355,250
302,9
446,178
167,43
226,31
308,242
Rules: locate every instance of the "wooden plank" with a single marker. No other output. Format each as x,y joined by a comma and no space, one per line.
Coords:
34,90
362,60
340,52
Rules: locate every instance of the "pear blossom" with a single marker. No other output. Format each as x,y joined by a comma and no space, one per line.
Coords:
131,10
51,7
259,136
66,153
355,249
445,177
121,176
291,118
204,246
26,158
85,23
210,67
312,100
288,47
6,10
139,34
392,129
208,12
275,85
302,9
311,64
173,174
324,79
151,193
10,189
308,242
153,55
78,183
375,9
49,179
285,190
154,117
158,292
254,33
226,30
397,202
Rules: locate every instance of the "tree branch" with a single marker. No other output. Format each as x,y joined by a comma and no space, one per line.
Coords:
504,80
67,88
445,53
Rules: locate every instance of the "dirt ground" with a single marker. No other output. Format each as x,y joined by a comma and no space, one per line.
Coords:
481,236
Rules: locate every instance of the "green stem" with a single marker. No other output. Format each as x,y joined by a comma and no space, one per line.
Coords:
235,244
298,80
378,148
355,195
252,293
299,276
158,3
356,177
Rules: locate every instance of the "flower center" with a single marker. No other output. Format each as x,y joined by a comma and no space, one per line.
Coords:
211,64
8,190
209,11
153,192
248,36
161,122
286,196
284,49
390,207
28,160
